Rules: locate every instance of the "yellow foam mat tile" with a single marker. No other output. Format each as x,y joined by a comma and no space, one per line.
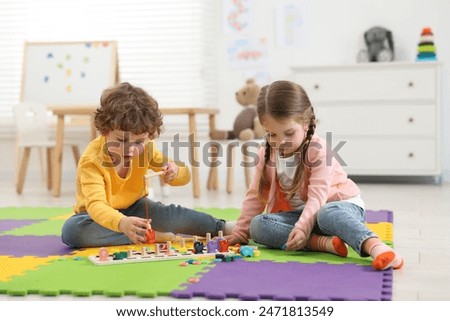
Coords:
61,217
384,230
13,266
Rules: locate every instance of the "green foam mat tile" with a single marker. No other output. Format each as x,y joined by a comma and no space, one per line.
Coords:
13,213
40,228
227,214
81,278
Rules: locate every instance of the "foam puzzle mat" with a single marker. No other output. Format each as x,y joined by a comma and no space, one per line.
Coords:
34,260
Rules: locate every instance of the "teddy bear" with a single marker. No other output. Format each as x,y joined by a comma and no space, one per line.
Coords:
380,45
246,124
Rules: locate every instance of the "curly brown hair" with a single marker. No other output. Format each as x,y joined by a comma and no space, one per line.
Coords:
130,109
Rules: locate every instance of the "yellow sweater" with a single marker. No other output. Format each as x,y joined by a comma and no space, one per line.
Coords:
102,192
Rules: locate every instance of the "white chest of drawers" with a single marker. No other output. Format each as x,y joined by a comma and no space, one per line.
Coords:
388,115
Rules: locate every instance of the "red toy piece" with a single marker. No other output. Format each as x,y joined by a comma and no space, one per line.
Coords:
223,245
150,236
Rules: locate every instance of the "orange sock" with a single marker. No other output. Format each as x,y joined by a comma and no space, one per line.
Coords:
385,257
327,244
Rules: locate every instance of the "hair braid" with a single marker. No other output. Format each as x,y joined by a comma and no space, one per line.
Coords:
264,182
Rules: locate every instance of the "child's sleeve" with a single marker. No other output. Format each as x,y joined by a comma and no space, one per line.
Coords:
319,187
157,160
92,185
252,204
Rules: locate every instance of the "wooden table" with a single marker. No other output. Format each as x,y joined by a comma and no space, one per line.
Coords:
191,112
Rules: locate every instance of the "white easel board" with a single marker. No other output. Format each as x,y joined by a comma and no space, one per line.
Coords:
68,73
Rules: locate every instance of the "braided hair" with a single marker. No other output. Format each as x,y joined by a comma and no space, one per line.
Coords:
285,100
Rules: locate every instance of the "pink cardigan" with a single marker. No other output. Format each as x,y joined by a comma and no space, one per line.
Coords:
324,183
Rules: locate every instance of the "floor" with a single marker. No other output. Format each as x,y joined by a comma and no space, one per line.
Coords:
421,221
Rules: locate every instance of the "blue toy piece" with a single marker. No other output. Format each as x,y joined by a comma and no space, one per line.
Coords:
247,251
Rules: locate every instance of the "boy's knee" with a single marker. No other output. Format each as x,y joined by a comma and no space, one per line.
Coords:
68,235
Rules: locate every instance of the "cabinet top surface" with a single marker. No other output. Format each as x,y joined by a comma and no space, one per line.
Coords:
370,65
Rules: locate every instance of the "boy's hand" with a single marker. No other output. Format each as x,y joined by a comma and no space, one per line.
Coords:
170,171
135,228
297,240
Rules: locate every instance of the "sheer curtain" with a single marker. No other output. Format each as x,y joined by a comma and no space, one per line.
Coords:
166,47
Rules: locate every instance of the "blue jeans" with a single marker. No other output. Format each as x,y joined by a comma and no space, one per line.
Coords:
342,219
81,231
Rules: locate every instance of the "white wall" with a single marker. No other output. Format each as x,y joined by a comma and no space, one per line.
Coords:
335,30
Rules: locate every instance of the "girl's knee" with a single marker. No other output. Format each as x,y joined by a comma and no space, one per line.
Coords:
326,213
256,225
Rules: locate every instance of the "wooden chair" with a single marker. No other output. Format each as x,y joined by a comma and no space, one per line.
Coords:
244,147
32,131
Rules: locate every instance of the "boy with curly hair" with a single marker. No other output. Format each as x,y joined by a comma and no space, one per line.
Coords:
111,204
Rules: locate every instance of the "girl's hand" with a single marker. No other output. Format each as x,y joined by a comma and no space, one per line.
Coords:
135,228
297,240
232,240
170,171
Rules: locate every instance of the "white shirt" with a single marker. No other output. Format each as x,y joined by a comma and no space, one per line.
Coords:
286,167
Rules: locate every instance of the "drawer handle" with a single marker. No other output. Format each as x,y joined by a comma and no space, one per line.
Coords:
316,87
411,155
411,84
411,120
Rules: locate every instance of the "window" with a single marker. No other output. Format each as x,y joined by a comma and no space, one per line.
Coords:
166,47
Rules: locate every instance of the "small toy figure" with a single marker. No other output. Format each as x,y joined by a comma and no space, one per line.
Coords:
246,125
212,246
198,247
223,245
150,236
426,50
380,45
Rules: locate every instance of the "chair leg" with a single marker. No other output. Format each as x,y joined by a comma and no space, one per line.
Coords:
49,167
41,163
246,159
19,152
23,169
230,165
213,171
76,154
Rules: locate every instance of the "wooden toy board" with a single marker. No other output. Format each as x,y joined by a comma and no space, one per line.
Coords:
137,257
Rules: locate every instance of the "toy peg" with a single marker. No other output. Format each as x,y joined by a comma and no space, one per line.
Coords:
153,174
157,249
208,237
169,247
183,248
220,235
103,254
